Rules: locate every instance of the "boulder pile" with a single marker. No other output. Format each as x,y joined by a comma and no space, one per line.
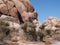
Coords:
19,25
21,10
52,23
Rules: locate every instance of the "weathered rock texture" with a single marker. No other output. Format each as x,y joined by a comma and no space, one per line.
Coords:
22,10
29,32
13,12
52,23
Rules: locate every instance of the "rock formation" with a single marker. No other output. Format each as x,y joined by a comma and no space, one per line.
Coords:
52,23
19,25
12,33
13,12
22,10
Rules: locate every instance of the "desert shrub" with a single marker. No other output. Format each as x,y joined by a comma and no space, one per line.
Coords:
29,29
42,34
5,30
24,26
49,32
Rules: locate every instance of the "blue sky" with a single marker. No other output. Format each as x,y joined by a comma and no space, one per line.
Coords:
46,8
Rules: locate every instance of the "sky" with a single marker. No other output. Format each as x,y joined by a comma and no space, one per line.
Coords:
46,8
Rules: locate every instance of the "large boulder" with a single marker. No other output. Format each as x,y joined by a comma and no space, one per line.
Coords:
52,23
21,9
28,5
3,9
9,18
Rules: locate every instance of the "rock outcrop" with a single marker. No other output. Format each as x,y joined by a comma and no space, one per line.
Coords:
22,10
12,33
52,23
19,25
13,12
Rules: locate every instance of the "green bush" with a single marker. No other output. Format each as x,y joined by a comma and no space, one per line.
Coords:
5,30
42,34
24,26
28,27
48,32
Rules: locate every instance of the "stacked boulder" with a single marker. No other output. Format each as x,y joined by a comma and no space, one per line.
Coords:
21,10
52,23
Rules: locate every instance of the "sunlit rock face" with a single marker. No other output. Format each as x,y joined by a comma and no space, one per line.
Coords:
19,25
52,23
20,9
14,12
